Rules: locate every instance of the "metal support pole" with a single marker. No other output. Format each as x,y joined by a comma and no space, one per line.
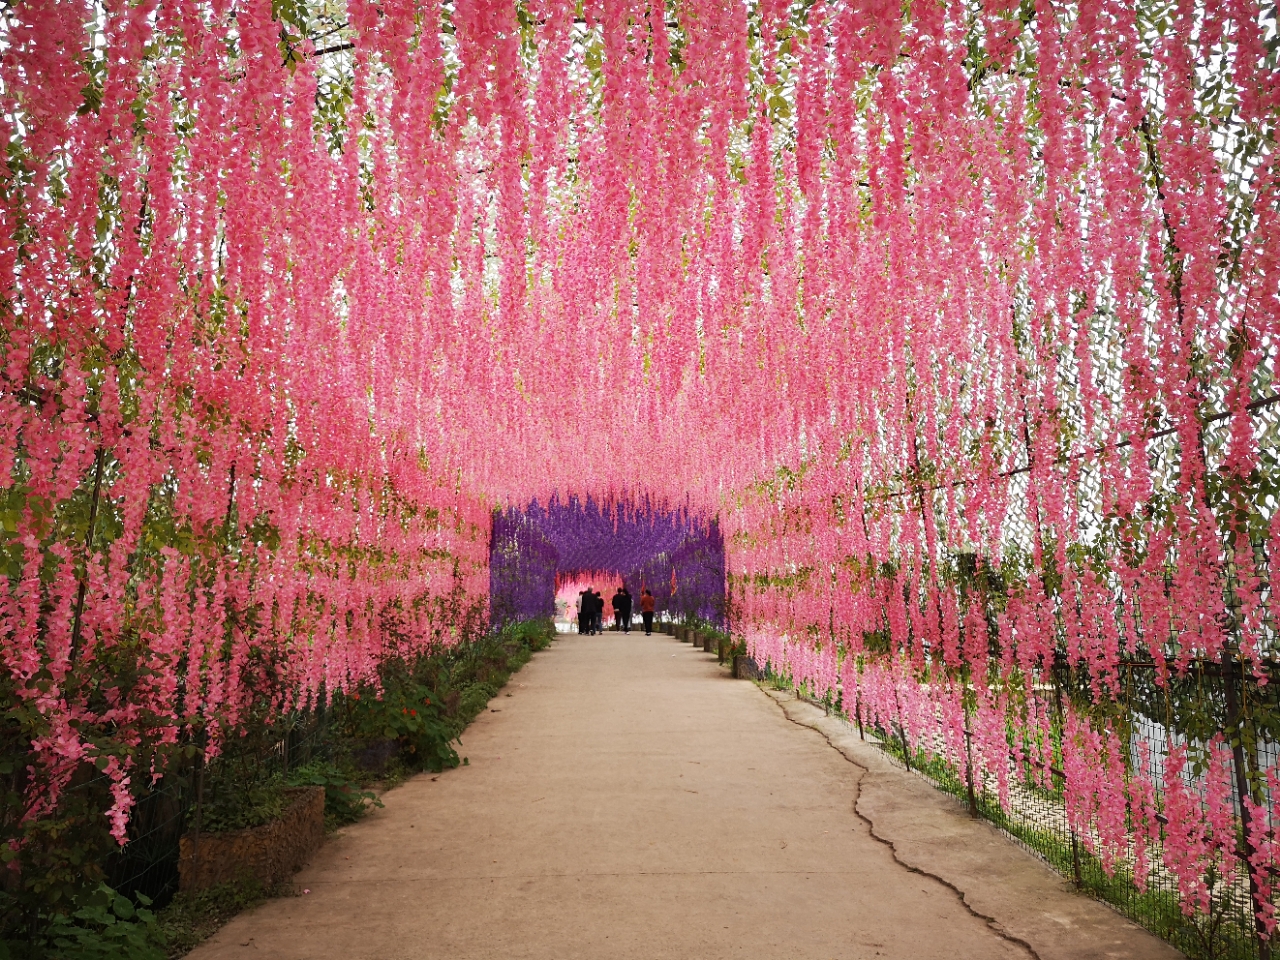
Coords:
1235,733
902,731
1077,876
968,767
968,743
1075,859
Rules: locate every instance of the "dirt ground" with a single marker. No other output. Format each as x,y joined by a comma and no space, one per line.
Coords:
625,799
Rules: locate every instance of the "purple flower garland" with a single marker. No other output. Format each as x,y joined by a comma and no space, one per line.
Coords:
677,555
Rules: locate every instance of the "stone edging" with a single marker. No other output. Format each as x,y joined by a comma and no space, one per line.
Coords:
270,854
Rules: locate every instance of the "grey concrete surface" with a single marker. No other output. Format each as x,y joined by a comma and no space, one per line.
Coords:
626,799
933,833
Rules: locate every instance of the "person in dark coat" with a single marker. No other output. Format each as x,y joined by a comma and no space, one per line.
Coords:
584,611
622,609
597,608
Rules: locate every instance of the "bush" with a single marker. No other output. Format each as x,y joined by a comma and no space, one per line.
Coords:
344,800
101,925
244,805
406,711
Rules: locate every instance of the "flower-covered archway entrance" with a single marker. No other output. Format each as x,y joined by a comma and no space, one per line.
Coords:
535,551
960,316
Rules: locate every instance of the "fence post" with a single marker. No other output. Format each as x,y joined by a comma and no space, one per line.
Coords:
902,731
203,736
1062,725
1235,732
968,761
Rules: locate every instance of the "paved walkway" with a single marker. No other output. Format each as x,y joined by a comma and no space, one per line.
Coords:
626,799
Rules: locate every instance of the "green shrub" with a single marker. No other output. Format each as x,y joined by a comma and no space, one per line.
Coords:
239,806
100,925
408,712
344,800
424,705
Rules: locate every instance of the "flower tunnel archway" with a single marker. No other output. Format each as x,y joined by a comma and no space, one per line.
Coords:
959,317
677,556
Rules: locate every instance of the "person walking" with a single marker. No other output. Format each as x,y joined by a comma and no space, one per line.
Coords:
584,611
626,608
622,609
616,603
646,611
599,611
589,602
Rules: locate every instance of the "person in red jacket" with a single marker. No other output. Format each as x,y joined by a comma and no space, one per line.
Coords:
646,611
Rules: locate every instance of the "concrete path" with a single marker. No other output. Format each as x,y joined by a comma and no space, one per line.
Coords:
626,799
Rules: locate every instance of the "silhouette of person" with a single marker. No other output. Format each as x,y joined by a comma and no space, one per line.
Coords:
646,611
584,611
599,608
627,606
622,608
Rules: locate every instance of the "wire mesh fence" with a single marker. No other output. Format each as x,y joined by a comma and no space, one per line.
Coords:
1158,697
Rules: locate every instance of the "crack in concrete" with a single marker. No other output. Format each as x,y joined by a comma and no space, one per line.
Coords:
992,923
